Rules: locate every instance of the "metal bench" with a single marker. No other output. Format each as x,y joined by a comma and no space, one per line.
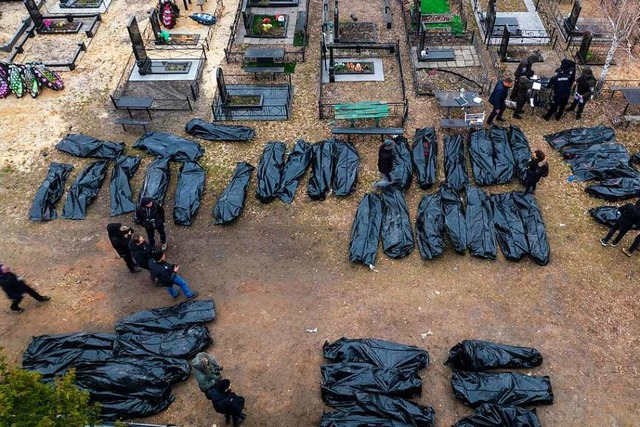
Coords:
366,131
631,119
436,55
614,89
362,110
132,122
264,70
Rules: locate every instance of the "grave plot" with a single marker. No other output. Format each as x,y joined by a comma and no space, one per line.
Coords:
76,7
71,36
241,97
444,53
158,79
269,24
14,21
186,34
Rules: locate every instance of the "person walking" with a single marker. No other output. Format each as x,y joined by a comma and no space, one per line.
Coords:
524,86
385,164
206,370
628,216
537,168
584,88
167,275
120,237
15,288
634,246
150,214
227,402
497,100
561,84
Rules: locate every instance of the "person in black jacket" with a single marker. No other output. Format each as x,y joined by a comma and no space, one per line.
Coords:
561,84
15,288
150,215
628,215
385,164
633,247
142,253
585,87
120,237
226,402
524,85
167,275
524,69
498,98
536,169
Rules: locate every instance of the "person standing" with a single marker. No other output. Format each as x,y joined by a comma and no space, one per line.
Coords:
497,100
15,288
385,164
584,88
206,370
561,84
150,214
628,216
525,68
634,246
120,237
142,253
227,402
167,275
524,86
537,168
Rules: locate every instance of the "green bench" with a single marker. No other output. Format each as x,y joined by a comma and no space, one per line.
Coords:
362,110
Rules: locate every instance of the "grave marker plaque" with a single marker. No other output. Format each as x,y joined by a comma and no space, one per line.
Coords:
584,47
155,23
139,51
222,87
504,43
34,12
490,19
571,21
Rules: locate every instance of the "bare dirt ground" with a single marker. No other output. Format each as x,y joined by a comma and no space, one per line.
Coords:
283,269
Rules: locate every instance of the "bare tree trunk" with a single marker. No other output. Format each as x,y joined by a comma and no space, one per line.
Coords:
615,43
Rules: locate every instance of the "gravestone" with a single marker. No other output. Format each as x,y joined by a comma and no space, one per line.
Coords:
584,47
504,43
155,23
490,19
222,87
34,12
571,21
139,51
336,24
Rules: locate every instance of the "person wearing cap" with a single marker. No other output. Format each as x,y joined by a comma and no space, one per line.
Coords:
150,214
167,275
15,288
584,88
227,402
120,237
385,164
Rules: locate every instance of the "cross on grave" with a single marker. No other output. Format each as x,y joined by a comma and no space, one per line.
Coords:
34,12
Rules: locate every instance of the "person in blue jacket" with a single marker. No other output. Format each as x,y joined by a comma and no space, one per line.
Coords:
498,98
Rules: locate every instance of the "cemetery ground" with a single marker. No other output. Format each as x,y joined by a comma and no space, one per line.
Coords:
281,270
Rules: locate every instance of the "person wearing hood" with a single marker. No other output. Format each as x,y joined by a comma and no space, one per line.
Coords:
584,88
150,215
120,237
524,69
385,164
568,67
226,402
537,168
523,90
15,288
206,370
561,84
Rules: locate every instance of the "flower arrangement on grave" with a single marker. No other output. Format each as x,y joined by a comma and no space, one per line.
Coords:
47,23
281,18
266,25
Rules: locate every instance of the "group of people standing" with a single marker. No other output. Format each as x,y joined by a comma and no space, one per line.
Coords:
137,253
563,84
628,218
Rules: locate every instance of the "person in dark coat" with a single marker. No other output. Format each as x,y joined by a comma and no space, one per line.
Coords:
634,246
523,91
207,371
498,98
525,68
561,84
385,164
537,168
142,253
628,216
150,214
15,288
584,88
120,237
167,275
227,402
